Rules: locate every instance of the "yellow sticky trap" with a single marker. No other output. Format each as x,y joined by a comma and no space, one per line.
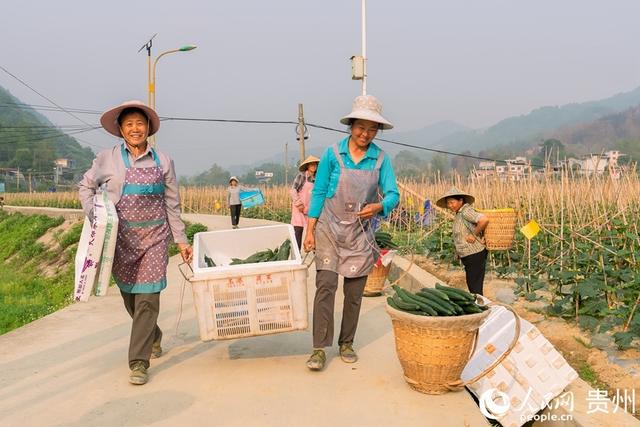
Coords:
530,229
410,201
217,205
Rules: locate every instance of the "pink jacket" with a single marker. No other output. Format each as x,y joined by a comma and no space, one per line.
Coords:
300,198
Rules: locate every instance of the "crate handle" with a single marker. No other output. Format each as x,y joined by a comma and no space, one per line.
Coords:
304,260
188,279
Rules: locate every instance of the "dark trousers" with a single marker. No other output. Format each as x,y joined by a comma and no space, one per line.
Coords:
323,306
143,309
235,214
474,268
298,231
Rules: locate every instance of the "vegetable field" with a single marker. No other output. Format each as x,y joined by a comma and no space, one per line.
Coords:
585,260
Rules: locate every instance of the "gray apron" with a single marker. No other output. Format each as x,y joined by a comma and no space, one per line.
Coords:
344,243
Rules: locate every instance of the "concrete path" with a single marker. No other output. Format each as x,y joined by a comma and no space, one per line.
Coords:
70,369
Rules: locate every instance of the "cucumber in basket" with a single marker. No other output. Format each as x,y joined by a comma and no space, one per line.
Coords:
439,301
280,253
384,240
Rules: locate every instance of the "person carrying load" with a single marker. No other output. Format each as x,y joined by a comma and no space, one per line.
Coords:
301,195
141,182
344,199
468,227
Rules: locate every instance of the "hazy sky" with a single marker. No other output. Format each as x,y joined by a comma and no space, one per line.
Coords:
474,62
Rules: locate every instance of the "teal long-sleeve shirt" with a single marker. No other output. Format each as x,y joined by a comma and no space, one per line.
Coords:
328,175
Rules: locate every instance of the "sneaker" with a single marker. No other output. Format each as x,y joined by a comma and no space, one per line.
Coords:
156,350
138,374
235,227
348,354
317,360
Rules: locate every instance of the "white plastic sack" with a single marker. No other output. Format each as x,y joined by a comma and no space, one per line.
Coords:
108,246
90,247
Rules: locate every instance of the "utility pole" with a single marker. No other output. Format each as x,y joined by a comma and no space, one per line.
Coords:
359,62
286,164
364,46
18,179
150,88
301,128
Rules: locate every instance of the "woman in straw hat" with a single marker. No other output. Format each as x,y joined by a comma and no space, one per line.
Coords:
468,226
233,198
141,182
301,195
344,199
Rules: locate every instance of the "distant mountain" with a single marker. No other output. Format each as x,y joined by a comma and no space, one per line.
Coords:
427,136
28,140
524,130
586,126
602,134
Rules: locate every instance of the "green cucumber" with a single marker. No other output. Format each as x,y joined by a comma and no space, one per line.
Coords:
403,305
437,292
455,296
437,306
403,294
457,308
415,299
209,261
461,292
392,303
472,309
436,296
284,250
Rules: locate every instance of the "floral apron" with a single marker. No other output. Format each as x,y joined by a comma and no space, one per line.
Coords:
141,257
344,243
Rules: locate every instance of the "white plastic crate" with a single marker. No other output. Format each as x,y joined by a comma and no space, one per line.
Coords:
235,301
223,245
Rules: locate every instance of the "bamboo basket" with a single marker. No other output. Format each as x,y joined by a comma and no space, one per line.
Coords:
433,351
376,280
500,231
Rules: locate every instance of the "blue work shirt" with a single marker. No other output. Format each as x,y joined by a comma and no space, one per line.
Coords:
328,175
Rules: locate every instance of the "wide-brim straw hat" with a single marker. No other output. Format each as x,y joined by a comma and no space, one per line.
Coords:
233,178
305,165
109,119
453,191
367,107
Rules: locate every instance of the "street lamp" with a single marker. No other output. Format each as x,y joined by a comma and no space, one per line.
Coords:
152,81
152,73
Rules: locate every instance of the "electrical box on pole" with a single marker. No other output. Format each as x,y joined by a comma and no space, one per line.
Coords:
357,67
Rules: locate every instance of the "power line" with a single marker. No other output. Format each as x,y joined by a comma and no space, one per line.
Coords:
41,95
58,135
402,144
24,106
57,105
289,122
261,122
418,147
45,132
17,128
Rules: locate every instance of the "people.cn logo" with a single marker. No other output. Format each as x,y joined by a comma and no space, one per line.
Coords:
494,403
